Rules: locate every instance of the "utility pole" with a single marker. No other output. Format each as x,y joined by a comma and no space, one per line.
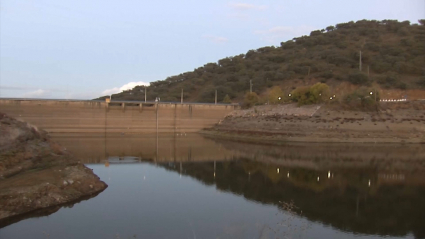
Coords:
182,98
250,86
215,96
145,94
360,61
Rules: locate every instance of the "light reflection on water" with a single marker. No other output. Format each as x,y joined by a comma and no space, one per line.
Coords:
188,192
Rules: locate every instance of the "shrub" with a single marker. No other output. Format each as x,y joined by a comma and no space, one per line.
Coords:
319,92
380,67
391,81
326,75
227,99
362,98
421,82
250,99
301,95
305,95
274,95
358,78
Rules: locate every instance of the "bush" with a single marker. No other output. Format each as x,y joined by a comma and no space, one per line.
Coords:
319,92
421,82
274,95
326,75
305,95
380,67
227,99
358,78
391,81
362,98
250,99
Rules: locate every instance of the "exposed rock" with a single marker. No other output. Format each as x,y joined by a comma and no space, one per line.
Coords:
36,172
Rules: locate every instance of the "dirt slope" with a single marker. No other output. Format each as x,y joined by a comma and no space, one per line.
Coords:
37,173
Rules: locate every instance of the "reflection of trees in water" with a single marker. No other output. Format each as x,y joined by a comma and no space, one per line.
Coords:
345,201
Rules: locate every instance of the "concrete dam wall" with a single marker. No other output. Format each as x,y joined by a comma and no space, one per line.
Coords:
78,116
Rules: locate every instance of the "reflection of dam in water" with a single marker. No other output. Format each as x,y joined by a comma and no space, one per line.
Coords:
356,190
384,165
187,147
387,160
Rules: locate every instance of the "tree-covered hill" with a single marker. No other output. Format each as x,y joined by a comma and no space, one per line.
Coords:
392,56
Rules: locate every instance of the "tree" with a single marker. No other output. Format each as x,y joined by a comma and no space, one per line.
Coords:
301,95
227,99
358,78
250,99
330,28
275,95
305,95
319,92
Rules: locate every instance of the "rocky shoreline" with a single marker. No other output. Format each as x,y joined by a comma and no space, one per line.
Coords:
37,173
402,122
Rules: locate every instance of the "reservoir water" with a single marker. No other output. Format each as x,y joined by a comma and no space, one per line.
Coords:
188,186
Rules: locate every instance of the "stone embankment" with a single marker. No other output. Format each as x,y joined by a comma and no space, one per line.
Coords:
37,173
401,122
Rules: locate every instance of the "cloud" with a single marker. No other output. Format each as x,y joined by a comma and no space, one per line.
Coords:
36,94
216,39
17,88
128,86
281,33
247,6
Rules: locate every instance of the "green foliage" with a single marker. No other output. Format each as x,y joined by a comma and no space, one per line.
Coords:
275,95
319,92
358,78
227,99
305,95
421,82
364,98
329,56
330,28
250,99
326,75
391,81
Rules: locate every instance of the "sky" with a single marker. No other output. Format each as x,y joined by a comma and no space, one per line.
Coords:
85,49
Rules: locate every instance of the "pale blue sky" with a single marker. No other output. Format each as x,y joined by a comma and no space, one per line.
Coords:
81,49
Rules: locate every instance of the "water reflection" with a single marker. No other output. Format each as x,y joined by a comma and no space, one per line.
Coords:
344,200
365,190
372,189
149,147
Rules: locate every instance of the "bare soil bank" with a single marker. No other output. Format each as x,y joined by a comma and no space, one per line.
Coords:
401,122
37,173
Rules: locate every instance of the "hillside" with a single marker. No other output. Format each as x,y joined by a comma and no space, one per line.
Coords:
392,55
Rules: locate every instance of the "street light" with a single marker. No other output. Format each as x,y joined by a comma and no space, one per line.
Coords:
279,98
290,95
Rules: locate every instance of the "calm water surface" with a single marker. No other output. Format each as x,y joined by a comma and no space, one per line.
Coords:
193,187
